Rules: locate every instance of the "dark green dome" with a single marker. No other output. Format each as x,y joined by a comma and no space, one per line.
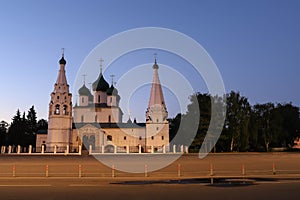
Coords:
84,91
112,91
100,84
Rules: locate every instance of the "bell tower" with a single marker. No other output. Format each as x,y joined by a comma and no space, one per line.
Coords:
60,112
157,126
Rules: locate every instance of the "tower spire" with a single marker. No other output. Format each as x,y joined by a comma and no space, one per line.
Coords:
61,79
156,108
156,94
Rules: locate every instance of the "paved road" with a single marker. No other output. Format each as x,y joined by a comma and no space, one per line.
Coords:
100,189
63,182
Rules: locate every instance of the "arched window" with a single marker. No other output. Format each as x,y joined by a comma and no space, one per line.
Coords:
109,138
109,118
82,99
57,109
82,118
65,112
152,138
125,138
162,137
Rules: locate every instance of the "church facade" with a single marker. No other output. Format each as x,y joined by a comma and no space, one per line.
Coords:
96,121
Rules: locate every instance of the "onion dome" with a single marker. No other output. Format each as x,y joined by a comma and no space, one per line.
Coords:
62,61
155,66
100,84
112,91
84,91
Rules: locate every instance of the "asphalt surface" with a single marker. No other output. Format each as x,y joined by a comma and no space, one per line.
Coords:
29,180
99,189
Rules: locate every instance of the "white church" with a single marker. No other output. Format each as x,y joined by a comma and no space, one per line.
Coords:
95,123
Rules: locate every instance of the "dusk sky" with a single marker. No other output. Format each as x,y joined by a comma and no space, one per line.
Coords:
255,44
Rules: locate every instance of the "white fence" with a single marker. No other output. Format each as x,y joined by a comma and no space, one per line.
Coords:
108,149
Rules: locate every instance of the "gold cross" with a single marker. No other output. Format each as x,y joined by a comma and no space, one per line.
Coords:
155,57
112,79
101,62
63,51
84,75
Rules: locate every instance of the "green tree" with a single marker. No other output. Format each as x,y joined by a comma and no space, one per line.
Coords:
174,124
246,128
3,133
264,115
31,127
289,124
198,113
16,129
23,128
236,127
42,124
31,121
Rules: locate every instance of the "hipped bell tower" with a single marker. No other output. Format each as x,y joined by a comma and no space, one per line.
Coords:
60,112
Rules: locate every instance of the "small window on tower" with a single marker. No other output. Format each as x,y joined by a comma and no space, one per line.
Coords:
125,138
140,138
162,137
82,100
156,120
57,109
98,98
109,118
82,118
65,110
57,97
152,138
96,118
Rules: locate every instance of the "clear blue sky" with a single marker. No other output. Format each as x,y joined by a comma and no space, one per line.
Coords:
255,44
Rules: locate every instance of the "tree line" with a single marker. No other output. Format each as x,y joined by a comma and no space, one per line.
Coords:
260,127
22,130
